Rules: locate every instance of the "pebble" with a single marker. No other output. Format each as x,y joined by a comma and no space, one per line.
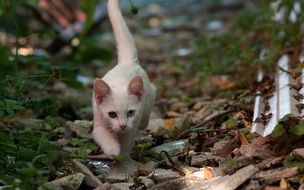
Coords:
68,182
163,175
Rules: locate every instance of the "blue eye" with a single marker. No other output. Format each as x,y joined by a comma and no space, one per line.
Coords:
130,113
112,114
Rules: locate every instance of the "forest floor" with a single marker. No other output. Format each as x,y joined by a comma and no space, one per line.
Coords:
203,59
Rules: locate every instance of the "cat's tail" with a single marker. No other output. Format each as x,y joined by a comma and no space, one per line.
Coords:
127,52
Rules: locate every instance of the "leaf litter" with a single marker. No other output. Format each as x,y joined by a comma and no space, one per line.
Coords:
199,134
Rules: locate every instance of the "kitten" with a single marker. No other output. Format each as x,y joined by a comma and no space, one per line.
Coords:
123,98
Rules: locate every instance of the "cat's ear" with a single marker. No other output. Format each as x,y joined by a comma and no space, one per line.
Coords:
136,87
101,90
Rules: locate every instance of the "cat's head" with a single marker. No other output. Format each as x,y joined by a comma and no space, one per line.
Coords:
120,106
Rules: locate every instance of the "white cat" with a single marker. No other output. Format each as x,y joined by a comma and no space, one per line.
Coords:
123,98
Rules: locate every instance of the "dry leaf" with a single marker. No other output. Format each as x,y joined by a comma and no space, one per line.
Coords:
283,184
243,139
224,82
173,114
169,123
228,148
208,173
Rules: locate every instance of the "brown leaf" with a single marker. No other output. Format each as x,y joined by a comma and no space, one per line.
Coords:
228,148
173,114
224,82
243,139
208,173
283,184
169,123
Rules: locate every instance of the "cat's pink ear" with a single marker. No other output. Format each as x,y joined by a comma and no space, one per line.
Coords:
101,90
136,87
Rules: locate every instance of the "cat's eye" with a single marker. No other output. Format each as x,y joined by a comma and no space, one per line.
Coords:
130,113
112,114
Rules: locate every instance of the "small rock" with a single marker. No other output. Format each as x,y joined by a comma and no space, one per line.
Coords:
299,153
114,177
205,173
147,181
182,52
62,142
90,179
86,112
188,169
147,168
215,25
104,186
173,148
202,159
82,128
163,175
33,122
121,186
154,125
253,184
59,130
68,182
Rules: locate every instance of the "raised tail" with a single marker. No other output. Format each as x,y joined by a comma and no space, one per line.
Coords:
127,52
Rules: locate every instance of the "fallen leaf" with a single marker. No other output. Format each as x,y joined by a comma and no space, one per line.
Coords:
208,173
243,139
224,82
173,114
283,184
169,123
228,148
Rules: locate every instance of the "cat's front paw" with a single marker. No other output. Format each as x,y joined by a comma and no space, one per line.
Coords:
112,151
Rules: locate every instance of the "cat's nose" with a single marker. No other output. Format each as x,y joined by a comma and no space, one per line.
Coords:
123,126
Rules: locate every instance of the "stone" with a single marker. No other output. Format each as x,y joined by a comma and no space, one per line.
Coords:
147,181
121,186
205,173
202,159
90,179
163,175
68,182
173,148
188,169
147,168
114,177
104,186
86,112
298,153
154,125
82,128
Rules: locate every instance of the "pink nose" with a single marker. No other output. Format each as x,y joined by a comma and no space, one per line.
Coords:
123,126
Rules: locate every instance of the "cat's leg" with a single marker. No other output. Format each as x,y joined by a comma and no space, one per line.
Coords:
127,141
106,140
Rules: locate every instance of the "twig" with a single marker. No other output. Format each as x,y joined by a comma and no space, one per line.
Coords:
184,133
173,164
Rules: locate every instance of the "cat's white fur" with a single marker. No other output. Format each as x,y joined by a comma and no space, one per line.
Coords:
123,88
